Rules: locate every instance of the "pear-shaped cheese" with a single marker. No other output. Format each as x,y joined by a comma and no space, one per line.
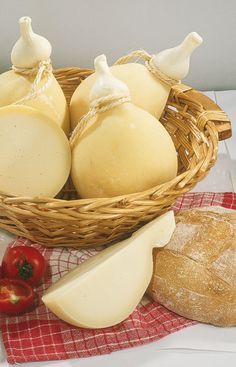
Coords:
123,149
146,90
105,289
27,53
35,156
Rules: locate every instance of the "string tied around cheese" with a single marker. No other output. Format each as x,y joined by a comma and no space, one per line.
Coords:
43,70
99,105
150,65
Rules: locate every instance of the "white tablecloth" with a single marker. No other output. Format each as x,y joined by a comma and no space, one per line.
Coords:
197,345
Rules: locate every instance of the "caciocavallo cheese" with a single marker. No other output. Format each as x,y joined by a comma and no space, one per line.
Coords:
27,54
122,150
35,156
147,91
105,289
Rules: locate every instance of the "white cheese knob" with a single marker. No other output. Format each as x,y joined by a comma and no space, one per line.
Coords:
106,84
174,62
31,48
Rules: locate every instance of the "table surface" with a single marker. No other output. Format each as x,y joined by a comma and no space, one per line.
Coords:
199,344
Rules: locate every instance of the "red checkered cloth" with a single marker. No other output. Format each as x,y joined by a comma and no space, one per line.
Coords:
40,335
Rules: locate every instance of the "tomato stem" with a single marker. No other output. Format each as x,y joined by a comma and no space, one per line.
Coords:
25,270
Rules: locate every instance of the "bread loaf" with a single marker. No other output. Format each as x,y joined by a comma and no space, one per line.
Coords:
195,274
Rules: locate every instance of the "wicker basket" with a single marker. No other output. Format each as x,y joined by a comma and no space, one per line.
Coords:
195,124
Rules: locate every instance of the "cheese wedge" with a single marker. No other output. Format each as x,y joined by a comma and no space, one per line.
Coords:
35,157
105,289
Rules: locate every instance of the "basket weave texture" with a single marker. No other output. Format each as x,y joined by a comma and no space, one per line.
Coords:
195,124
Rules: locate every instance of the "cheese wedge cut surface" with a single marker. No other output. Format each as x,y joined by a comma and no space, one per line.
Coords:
35,157
105,289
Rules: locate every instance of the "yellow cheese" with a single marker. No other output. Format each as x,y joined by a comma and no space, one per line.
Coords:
123,150
105,289
35,156
26,54
146,90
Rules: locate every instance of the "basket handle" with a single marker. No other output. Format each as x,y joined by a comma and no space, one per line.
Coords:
210,111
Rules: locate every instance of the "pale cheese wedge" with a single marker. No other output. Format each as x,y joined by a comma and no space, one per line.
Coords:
35,156
105,289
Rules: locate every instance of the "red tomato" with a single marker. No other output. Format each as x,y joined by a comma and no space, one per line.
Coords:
24,262
0,272
16,296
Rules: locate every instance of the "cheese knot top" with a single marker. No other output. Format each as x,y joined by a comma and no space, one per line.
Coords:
175,61
31,48
106,84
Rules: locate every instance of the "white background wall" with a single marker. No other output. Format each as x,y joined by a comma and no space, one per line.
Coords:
81,29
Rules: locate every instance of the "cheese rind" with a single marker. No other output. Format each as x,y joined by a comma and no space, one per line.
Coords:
105,289
35,156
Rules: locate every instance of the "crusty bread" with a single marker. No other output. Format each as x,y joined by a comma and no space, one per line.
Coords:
195,274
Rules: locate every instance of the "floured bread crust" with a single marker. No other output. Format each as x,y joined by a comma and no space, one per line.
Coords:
195,274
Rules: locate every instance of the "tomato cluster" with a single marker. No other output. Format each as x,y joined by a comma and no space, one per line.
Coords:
23,267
